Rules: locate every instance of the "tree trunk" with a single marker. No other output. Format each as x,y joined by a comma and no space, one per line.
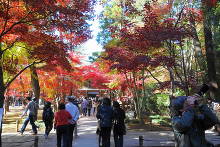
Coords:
210,53
217,90
200,58
7,103
35,82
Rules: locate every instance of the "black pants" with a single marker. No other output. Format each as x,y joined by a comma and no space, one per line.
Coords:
105,136
89,111
48,127
71,130
118,139
63,134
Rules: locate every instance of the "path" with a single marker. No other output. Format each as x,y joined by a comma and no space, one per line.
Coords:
88,138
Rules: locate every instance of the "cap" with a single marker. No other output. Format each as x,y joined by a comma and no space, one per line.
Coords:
70,97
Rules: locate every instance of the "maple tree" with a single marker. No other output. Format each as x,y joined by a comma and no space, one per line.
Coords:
96,77
36,24
47,29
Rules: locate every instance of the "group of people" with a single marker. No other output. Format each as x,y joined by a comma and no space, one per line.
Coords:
110,117
89,106
190,117
64,120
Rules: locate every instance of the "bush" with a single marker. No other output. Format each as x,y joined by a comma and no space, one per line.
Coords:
162,120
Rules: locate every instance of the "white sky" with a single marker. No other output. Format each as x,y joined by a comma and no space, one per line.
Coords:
92,45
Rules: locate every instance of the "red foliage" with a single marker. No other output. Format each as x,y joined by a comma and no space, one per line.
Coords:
98,78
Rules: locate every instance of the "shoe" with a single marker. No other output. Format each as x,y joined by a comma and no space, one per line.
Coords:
46,136
34,133
20,132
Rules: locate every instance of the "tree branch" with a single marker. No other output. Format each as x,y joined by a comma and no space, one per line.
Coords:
9,46
29,65
6,20
153,76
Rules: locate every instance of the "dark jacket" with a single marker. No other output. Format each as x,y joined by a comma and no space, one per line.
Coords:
48,114
189,127
119,124
105,114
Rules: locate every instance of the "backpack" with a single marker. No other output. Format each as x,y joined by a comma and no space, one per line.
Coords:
48,115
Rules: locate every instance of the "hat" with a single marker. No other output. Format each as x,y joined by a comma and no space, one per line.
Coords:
178,102
71,97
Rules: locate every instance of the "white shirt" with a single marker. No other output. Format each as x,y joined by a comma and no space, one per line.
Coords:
73,110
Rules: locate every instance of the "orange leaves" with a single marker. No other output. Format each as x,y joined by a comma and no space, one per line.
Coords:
162,9
63,3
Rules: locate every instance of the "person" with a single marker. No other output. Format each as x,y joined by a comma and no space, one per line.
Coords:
105,115
94,106
190,117
74,111
84,106
89,107
31,108
119,124
98,122
62,119
48,117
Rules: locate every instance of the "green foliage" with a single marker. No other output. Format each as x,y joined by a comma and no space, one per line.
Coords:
94,57
158,119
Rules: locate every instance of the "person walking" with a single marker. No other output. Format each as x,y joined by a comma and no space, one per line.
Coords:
74,111
48,117
119,128
84,106
62,119
105,115
94,106
89,107
31,109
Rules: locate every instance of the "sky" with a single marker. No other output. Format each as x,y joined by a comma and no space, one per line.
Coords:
92,45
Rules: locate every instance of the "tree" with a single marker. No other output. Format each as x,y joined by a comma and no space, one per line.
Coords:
211,46
23,20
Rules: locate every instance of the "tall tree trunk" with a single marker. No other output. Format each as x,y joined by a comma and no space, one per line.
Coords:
210,52
218,74
35,82
200,58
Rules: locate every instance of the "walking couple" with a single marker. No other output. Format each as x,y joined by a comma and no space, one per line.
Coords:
110,117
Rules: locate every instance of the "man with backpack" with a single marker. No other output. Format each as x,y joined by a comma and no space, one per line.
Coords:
48,117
